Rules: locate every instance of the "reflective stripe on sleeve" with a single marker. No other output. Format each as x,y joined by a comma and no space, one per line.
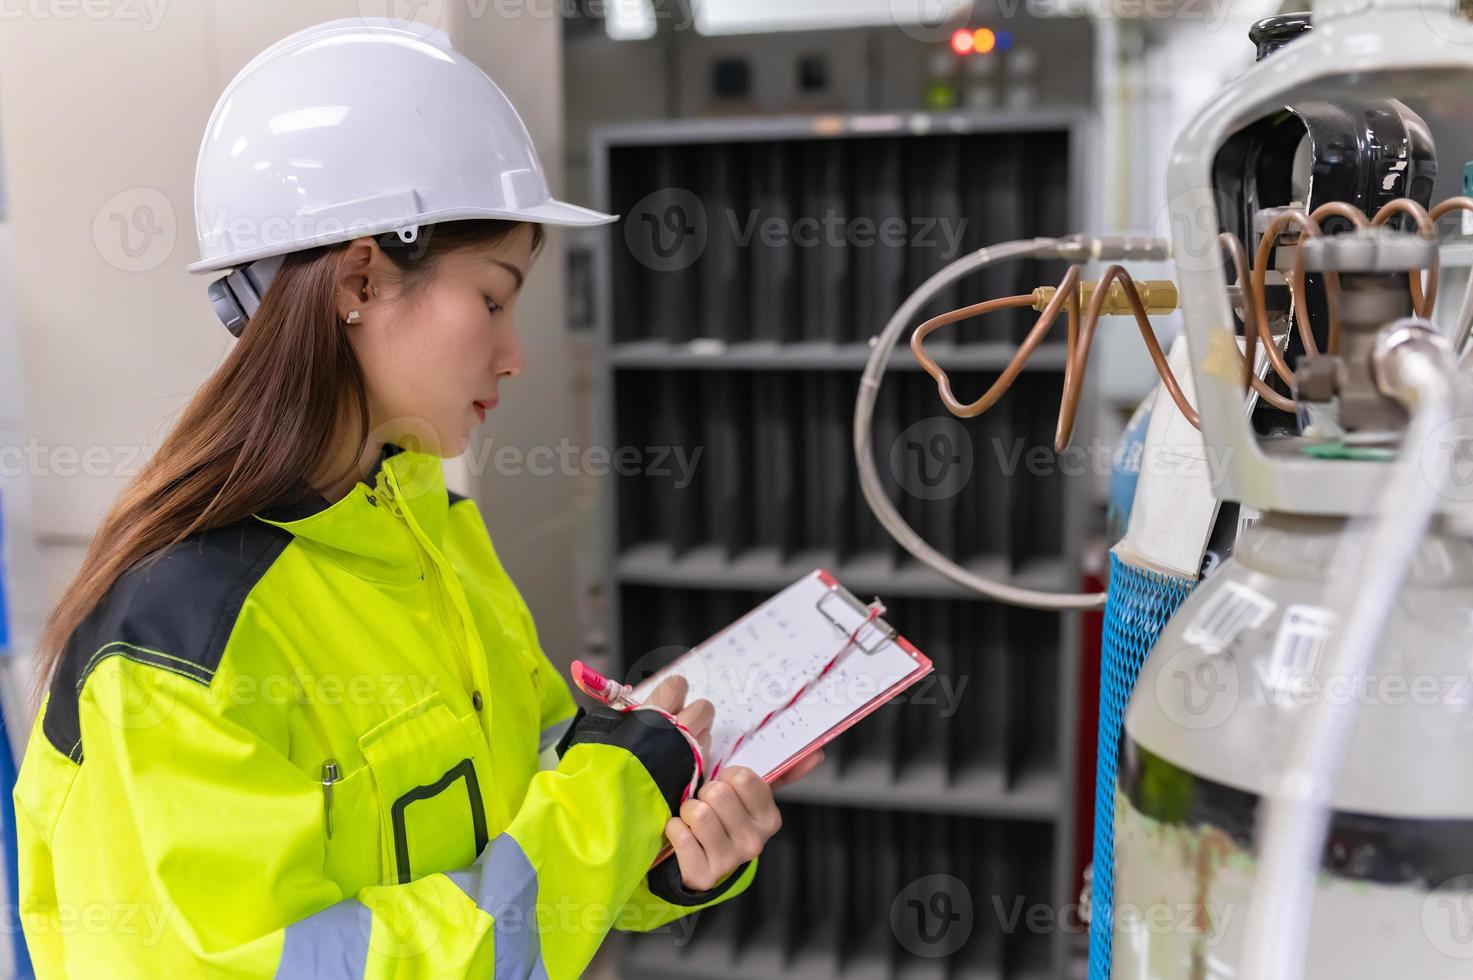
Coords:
330,944
503,884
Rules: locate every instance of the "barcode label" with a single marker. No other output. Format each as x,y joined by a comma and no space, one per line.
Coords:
1299,645
1233,609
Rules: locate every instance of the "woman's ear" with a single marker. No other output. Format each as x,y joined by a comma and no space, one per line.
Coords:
359,275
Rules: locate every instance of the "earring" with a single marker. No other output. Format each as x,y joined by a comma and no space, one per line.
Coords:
375,290
354,316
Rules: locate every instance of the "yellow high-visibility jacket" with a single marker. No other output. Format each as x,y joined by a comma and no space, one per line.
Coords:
324,742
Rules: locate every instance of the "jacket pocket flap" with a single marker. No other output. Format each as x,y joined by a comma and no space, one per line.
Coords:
432,814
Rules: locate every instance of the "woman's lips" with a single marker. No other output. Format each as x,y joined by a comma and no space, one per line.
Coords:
483,407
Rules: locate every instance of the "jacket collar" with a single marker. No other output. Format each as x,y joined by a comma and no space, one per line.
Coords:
362,528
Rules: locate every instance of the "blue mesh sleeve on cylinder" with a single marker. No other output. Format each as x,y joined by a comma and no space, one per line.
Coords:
1139,605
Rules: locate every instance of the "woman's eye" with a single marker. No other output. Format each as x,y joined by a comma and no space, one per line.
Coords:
493,306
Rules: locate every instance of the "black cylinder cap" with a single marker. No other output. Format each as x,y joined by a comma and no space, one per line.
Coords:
1272,33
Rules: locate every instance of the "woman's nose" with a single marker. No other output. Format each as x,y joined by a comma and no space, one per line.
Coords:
510,361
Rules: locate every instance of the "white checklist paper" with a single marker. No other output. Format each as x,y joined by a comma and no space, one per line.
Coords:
760,662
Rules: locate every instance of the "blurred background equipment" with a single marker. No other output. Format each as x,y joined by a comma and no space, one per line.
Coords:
1247,783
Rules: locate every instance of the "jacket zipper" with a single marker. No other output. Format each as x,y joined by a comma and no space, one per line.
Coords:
329,776
429,570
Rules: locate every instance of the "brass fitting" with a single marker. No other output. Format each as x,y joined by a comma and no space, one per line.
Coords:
1158,295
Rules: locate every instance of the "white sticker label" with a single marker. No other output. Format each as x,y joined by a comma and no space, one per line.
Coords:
1298,647
1233,609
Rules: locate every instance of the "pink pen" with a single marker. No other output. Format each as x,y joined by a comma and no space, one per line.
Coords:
620,697
601,688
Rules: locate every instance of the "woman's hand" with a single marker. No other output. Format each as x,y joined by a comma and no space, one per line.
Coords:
697,716
728,822
732,817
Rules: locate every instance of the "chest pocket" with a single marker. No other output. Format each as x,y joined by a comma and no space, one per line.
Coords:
431,813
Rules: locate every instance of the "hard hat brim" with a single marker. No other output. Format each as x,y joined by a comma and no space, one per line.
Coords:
550,212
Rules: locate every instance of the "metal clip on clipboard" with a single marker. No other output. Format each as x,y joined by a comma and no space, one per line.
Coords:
883,632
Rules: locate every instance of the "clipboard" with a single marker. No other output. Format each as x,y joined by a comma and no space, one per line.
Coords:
761,661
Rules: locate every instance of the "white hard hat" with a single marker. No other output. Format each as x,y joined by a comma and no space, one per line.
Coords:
358,127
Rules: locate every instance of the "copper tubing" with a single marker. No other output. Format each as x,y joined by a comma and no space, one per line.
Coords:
1255,316
1444,208
1255,321
1080,338
1015,366
1340,209
1079,355
1332,279
1255,328
1073,303
1296,283
1421,304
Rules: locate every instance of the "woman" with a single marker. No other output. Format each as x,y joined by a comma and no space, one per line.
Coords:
297,721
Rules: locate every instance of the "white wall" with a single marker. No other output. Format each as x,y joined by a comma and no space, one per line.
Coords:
102,120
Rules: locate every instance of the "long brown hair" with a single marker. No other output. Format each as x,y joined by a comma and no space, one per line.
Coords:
265,420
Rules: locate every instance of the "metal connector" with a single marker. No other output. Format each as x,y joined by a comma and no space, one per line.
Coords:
1369,250
1113,248
1158,295
1405,354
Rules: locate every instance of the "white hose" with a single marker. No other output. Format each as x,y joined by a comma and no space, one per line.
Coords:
869,388
1371,566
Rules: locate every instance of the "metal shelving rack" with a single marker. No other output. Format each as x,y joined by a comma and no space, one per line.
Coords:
753,355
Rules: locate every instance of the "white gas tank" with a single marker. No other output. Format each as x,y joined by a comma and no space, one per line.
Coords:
1211,719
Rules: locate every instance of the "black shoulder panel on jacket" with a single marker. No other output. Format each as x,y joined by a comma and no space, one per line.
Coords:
174,611
455,498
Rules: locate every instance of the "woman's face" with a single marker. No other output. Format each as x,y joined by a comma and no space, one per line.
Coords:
434,365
